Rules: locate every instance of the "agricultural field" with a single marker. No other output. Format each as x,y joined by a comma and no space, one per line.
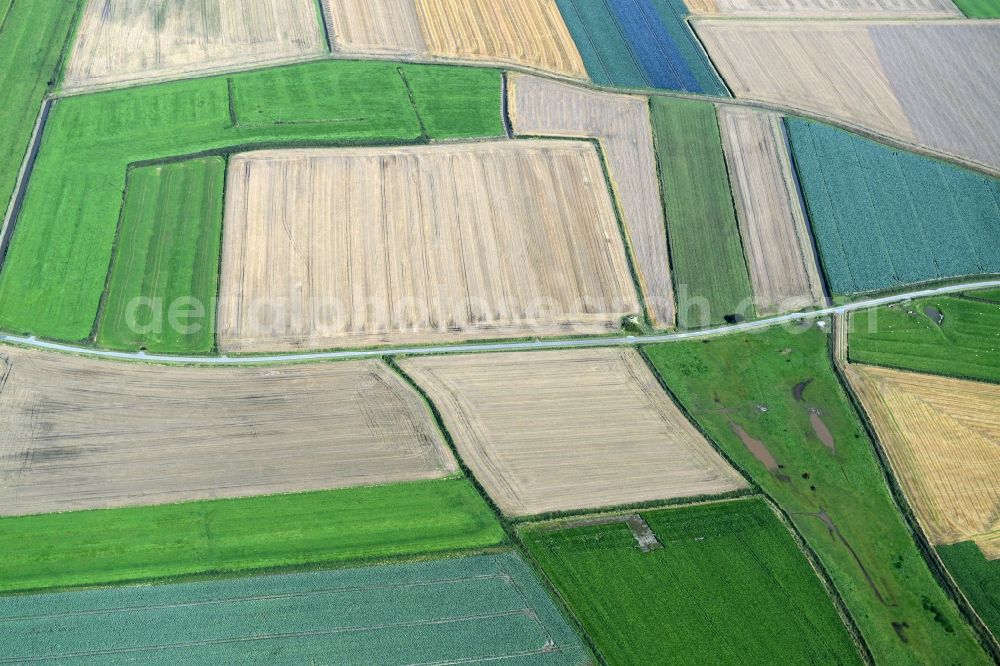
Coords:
709,268
942,335
345,526
82,434
978,577
885,219
621,125
489,240
784,269
772,402
520,33
122,42
825,8
166,260
728,584
445,611
569,429
56,269
640,44
33,37
931,83
979,8
942,437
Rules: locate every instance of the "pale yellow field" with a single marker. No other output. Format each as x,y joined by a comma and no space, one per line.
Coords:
621,124
77,433
383,27
784,270
125,41
942,437
825,8
561,430
343,247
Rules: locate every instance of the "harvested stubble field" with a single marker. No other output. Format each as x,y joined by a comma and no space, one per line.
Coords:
56,268
490,239
621,123
825,8
935,83
449,611
978,577
709,268
349,525
525,33
565,430
884,219
784,269
82,434
129,41
942,436
766,399
964,343
728,585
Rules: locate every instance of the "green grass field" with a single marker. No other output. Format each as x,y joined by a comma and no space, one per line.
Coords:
353,524
965,344
992,295
32,39
469,609
729,586
56,269
978,577
979,8
838,499
709,269
167,260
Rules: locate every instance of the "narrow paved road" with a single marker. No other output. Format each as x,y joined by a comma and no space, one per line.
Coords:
497,346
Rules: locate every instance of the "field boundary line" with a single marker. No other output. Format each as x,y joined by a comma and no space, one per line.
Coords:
468,348
23,179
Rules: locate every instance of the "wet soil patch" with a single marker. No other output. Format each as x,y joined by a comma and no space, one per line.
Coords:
822,431
759,451
800,388
936,315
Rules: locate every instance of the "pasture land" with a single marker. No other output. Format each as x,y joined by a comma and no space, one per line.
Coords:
57,265
621,124
990,295
770,399
33,36
125,42
929,83
979,8
978,577
965,342
942,437
490,239
477,608
886,219
825,8
166,260
709,269
728,585
170,434
784,269
564,430
525,33
348,525
640,44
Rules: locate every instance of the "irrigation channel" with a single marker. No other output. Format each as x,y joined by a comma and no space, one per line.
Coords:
572,343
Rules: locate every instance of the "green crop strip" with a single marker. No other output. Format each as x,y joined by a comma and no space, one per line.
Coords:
979,8
778,388
978,578
59,257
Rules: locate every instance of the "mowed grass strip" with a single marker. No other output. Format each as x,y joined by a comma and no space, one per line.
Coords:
219,536
57,264
729,585
835,493
978,577
964,341
164,278
710,271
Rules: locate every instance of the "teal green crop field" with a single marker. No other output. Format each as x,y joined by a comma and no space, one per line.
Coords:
32,41
469,609
166,261
705,248
769,400
57,265
978,578
220,536
729,585
965,344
